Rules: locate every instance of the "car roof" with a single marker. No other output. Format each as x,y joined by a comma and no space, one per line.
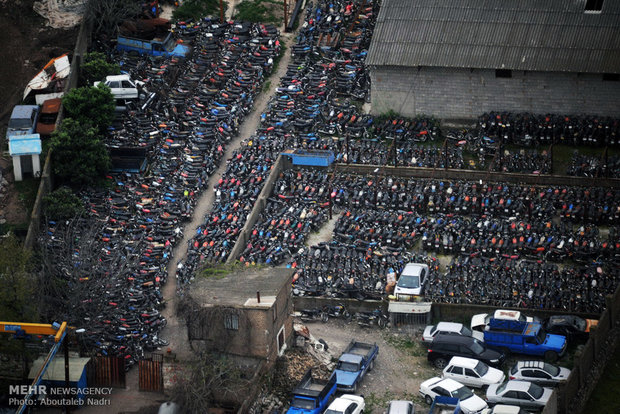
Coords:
530,364
518,385
400,406
562,319
23,111
412,269
449,326
449,384
453,338
51,106
506,314
506,409
117,77
464,362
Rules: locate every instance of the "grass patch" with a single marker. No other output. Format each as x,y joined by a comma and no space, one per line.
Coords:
256,11
196,9
27,193
605,399
220,271
407,345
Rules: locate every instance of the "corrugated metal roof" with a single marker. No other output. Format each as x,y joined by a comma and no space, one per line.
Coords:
536,35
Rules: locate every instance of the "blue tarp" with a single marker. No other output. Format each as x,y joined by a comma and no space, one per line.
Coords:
25,144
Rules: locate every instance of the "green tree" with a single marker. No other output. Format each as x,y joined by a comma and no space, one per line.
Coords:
62,204
78,154
92,105
96,68
195,9
17,282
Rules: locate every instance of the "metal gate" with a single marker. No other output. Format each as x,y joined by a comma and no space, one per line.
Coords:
106,371
151,373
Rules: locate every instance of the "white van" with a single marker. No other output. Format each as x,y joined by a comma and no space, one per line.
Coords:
412,280
123,87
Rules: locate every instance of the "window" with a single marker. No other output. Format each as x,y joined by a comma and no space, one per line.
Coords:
127,84
594,6
281,341
114,85
511,394
503,73
275,311
470,373
231,321
612,77
457,370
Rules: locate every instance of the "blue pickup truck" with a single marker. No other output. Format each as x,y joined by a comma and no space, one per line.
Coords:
154,47
312,396
353,364
524,338
23,120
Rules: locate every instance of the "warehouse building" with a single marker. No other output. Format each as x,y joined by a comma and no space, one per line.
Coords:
456,59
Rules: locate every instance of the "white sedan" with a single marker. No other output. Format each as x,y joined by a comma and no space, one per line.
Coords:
469,402
347,404
472,372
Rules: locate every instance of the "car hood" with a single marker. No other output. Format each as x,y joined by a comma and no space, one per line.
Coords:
490,354
407,291
478,335
494,376
473,404
564,373
346,378
492,391
555,341
546,395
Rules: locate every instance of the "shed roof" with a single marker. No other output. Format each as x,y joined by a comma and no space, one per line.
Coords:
25,144
238,289
56,368
535,35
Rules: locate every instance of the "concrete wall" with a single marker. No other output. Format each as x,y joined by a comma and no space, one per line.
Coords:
454,93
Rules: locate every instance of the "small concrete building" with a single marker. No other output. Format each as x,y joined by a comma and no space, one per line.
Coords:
245,314
456,59
25,151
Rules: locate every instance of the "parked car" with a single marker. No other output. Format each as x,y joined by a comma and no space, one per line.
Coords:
505,409
450,328
571,326
481,320
23,120
539,372
400,407
123,87
471,372
444,347
412,280
521,393
47,118
354,363
311,395
468,401
347,404
524,338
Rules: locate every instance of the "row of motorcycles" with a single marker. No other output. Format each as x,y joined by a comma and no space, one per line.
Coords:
114,257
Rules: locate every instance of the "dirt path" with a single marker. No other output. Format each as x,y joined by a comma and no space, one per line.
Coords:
175,330
325,233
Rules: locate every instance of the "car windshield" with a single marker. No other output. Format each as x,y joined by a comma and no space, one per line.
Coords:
465,331
20,123
332,412
348,366
433,329
541,335
303,403
481,368
501,388
535,391
409,282
552,369
580,323
462,393
476,348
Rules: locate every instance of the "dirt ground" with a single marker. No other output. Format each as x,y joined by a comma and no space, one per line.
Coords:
400,368
27,46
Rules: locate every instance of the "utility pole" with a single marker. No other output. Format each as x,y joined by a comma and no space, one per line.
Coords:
285,14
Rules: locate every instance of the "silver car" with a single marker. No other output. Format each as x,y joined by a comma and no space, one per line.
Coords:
400,407
521,393
539,372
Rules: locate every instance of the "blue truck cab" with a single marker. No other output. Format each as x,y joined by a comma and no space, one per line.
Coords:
312,396
524,338
440,402
23,120
353,364
155,47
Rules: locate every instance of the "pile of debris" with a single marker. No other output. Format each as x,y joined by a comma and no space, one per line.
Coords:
61,13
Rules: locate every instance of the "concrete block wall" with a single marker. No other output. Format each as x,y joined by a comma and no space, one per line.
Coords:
453,93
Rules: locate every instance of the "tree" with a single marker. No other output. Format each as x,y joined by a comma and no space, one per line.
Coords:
96,68
79,156
92,105
195,9
17,282
62,204
107,15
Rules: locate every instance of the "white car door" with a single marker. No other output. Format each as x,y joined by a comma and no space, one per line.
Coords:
471,378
